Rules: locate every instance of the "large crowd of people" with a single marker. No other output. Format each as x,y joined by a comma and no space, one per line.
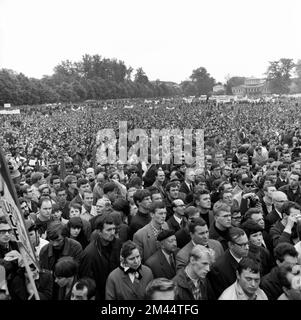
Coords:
141,230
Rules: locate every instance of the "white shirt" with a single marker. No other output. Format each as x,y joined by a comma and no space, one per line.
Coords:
179,220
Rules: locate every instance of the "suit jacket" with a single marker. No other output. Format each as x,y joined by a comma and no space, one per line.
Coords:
272,218
160,266
182,257
279,183
184,188
183,237
146,241
120,287
213,234
173,224
295,197
223,273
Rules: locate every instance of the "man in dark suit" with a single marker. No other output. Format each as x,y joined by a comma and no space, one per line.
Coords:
223,271
162,262
202,202
188,184
178,220
282,178
279,198
292,189
199,235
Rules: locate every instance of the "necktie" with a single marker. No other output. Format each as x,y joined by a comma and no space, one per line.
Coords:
172,262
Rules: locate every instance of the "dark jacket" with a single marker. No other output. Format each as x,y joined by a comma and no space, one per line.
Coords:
138,221
278,234
270,284
173,224
263,256
223,273
213,234
17,286
183,237
271,219
279,183
160,266
183,289
295,197
99,261
71,248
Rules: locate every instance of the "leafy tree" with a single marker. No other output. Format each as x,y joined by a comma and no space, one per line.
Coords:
279,75
141,77
203,81
233,82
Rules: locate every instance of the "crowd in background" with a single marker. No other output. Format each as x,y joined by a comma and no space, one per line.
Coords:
139,230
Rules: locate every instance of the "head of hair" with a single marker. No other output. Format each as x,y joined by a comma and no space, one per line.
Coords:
54,230
75,206
54,177
69,179
196,222
86,283
103,219
219,207
42,200
36,176
75,222
283,249
171,184
250,227
161,285
248,264
127,248
81,182
66,267
198,193
109,187
235,233
59,190
139,195
121,205
157,205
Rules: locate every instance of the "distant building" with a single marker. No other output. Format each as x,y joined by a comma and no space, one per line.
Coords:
253,87
219,88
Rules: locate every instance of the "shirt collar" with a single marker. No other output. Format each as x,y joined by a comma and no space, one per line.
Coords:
237,259
179,220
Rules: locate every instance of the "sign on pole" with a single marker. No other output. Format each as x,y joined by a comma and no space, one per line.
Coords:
9,206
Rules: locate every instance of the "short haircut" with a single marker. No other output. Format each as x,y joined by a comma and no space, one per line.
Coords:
197,195
199,250
75,206
69,179
235,233
287,206
171,185
153,190
54,230
66,267
81,182
250,227
122,205
86,283
109,187
75,222
157,205
54,177
196,222
36,176
139,195
250,212
282,166
161,285
60,189
283,249
42,200
103,219
127,248
21,200
220,206
248,264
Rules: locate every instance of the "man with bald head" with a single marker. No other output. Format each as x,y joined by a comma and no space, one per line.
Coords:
278,198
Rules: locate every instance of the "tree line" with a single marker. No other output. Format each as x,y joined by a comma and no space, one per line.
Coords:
96,78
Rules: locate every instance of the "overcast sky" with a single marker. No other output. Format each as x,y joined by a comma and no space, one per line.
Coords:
167,38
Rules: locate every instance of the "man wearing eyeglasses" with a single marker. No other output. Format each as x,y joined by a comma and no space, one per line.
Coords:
223,271
178,220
